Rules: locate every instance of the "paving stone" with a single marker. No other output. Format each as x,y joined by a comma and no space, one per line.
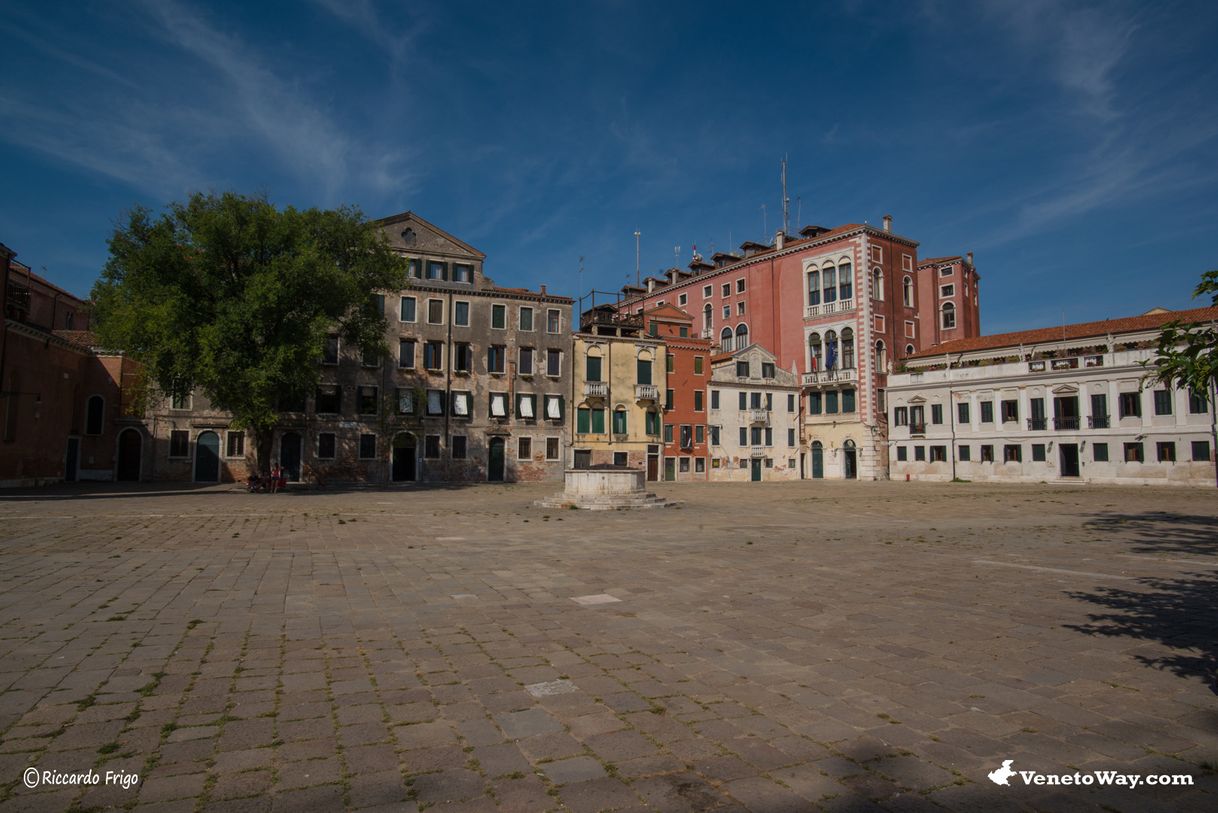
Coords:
576,769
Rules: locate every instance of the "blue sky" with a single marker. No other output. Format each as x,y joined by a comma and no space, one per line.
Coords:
1071,146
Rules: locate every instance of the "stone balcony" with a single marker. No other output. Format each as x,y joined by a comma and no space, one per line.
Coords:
830,376
596,389
646,392
761,416
829,308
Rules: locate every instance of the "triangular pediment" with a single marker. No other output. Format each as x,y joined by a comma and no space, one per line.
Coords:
408,233
1065,389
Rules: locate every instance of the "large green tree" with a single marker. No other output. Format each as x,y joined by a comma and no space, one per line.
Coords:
234,297
1187,355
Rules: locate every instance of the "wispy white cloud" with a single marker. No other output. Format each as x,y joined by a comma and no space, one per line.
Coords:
387,32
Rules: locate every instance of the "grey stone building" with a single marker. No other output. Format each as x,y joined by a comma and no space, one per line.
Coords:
474,387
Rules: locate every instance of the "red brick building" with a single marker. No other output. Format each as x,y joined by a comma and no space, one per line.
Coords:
65,407
948,290
842,305
688,369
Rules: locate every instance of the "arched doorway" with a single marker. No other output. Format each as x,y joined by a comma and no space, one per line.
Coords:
818,460
404,458
495,461
207,458
850,460
289,455
130,449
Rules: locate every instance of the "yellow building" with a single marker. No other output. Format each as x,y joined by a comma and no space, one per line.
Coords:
619,377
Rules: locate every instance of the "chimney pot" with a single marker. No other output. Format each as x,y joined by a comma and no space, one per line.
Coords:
887,222
780,239
543,290
970,257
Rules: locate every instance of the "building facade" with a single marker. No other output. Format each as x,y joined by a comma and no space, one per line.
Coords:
842,305
687,370
1065,403
755,429
618,380
474,387
66,407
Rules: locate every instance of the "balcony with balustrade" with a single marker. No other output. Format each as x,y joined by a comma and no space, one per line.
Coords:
596,389
823,377
759,416
646,392
1066,423
828,308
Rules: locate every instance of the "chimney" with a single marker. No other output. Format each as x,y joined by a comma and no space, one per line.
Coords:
969,256
887,222
780,238
543,290
651,285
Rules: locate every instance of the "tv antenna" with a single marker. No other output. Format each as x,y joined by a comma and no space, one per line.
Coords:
765,223
638,279
676,255
786,201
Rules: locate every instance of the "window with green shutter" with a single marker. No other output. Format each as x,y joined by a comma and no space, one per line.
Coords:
619,422
848,403
598,421
583,421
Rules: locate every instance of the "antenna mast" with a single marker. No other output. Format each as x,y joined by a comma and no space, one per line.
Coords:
765,223
786,202
638,279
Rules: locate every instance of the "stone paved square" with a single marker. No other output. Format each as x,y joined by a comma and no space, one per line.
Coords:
779,646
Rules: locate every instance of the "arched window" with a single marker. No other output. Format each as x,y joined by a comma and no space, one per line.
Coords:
877,284
95,409
725,340
845,281
829,284
881,357
907,289
813,287
949,316
847,348
831,359
708,317
816,359
909,349
742,336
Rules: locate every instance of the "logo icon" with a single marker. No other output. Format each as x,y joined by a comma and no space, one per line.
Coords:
1001,776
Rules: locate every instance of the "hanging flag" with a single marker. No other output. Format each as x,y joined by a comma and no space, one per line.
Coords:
831,356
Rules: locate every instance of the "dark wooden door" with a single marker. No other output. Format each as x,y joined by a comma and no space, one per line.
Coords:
207,458
130,447
289,455
495,461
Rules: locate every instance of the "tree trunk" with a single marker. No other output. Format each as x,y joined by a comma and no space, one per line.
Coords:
264,441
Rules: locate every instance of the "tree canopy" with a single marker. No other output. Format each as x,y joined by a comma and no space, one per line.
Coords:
234,297
1187,355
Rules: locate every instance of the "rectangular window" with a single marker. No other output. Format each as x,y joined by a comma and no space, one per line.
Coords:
526,406
755,400
1012,453
1099,452
755,435
414,268
457,447
437,270
936,413
367,446
847,401
831,402
236,444
1201,451
554,408
727,311
902,454
791,437
463,357
1010,411
461,314
496,358
592,368
525,361
526,318
947,290
962,412
698,365
1165,451
987,411
328,399
366,398
900,416
790,402
405,401
325,445
714,399
668,399
1197,404
740,309
769,436
814,404
1162,402
698,400
699,433
1131,404
598,421
329,354
406,354
727,289
619,422
463,272
1133,453
669,362
553,362
707,291
179,443
433,355
431,447
938,454
920,453
740,286
714,435
987,453
1099,411
742,369
683,300
498,405
551,448
553,320
524,448
407,313
435,402
1038,452
744,401
652,419
964,454
435,311
583,421
499,317
642,371
461,403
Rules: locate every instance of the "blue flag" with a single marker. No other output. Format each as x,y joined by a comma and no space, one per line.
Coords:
831,356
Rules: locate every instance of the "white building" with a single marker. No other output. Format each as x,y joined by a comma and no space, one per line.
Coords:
1065,403
754,417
